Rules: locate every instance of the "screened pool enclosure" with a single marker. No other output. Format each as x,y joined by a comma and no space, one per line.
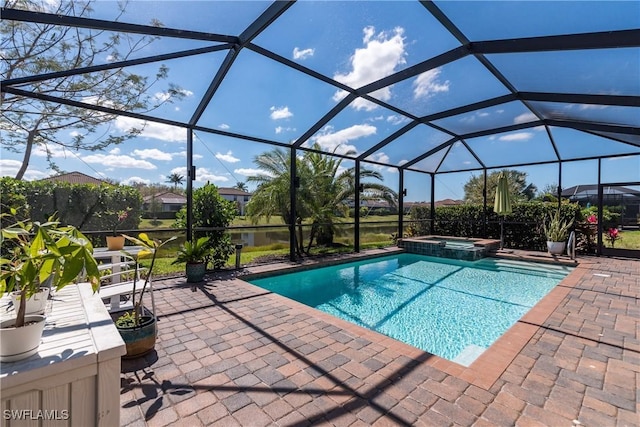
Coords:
420,91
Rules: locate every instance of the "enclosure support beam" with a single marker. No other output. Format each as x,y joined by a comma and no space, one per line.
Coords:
559,189
432,225
293,184
356,209
600,197
484,204
190,178
401,204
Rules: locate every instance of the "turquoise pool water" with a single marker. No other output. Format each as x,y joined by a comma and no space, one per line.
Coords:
454,309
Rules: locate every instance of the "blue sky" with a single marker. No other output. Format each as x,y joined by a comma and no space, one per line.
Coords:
356,43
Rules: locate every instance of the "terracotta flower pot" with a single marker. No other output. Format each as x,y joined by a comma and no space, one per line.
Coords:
115,243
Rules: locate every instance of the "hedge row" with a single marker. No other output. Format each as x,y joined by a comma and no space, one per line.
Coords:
522,228
89,207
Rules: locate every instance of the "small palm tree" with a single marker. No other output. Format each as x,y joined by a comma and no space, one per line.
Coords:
175,179
241,186
324,195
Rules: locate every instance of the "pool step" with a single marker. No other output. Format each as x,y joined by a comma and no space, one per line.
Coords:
544,270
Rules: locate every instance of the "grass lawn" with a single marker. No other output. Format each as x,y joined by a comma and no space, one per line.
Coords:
242,221
629,240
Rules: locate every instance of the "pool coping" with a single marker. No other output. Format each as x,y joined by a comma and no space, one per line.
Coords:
486,369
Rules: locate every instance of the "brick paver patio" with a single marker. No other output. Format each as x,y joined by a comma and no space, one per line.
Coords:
229,353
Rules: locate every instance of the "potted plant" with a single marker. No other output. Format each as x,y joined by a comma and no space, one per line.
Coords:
138,327
33,253
195,254
115,242
557,232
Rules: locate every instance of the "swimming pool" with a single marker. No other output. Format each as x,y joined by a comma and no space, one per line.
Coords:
454,309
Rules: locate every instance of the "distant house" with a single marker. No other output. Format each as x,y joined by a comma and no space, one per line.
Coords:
241,198
167,201
76,178
627,199
611,195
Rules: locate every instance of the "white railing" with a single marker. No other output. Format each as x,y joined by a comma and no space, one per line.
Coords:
571,245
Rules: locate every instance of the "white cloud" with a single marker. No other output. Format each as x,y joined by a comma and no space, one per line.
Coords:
380,57
165,96
136,179
202,174
223,126
524,118
184,154
152,130
153,154
55,151
162,96
397,120
10,168
281,129
592,107
180,170
116,150
338,141
518,136
382,158
280,113
227,157
427,84
118,161
379,157
250,172
302,53
185,92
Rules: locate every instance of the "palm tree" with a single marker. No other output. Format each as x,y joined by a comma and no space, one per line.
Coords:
241,186
175,179
332,191
323,196
272,193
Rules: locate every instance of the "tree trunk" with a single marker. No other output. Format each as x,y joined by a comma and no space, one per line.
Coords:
300,245
27,154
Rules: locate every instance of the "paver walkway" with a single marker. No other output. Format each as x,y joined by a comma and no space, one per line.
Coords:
231,354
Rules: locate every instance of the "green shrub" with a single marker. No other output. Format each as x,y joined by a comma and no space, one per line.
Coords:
211,215
87,207
522,230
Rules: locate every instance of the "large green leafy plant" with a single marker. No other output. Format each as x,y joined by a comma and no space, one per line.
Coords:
212,214
34,252
194,251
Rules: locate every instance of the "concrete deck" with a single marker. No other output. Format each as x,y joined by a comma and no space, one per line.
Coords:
229,353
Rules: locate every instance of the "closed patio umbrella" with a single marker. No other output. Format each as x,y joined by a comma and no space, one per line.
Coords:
502,203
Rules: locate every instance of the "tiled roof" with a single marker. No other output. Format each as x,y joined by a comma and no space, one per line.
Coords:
167,197
75,178
228,191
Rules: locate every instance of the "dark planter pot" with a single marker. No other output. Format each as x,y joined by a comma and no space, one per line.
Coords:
139,340
195,271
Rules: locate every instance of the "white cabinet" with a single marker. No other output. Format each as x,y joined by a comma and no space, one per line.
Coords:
74,379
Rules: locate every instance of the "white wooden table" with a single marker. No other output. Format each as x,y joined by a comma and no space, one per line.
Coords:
75,375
